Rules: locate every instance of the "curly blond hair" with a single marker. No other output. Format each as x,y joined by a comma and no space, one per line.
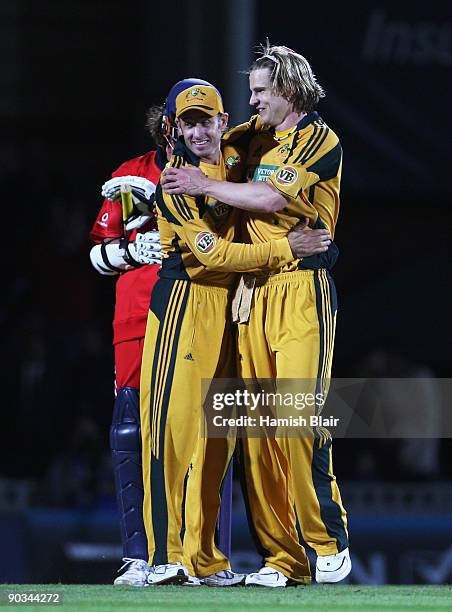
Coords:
291,76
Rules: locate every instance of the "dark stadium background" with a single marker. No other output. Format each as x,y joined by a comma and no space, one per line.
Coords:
77,77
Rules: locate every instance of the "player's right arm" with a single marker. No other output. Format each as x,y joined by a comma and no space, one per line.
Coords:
259,197
287,182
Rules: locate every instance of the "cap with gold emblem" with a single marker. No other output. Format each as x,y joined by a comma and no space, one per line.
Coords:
202,98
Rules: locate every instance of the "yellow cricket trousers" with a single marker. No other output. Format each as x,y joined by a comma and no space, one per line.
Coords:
188,338
290,335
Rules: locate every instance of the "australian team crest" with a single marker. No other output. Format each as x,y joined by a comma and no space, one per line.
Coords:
232,160
194,93
284,149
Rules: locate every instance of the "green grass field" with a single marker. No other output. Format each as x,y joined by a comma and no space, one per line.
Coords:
325,597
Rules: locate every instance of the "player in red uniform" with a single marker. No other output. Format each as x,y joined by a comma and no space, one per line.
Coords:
120,249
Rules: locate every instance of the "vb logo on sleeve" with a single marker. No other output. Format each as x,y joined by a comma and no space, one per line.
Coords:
287,175
205,242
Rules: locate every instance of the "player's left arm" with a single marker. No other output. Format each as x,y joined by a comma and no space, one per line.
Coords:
246,196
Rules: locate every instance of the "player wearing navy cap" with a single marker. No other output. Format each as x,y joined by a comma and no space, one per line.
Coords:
129,248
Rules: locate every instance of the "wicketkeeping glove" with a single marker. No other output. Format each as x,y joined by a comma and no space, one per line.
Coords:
143,191
136,221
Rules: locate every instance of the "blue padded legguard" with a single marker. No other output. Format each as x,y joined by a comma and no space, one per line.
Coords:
125,444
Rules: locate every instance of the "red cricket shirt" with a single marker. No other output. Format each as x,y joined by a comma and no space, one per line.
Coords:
133,288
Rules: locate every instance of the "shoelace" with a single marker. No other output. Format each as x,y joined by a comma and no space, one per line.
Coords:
225,574
128,561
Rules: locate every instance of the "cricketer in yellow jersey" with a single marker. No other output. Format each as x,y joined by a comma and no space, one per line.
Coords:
294,168
188,339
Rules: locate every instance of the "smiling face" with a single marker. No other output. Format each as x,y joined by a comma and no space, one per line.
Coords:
274,110
202,134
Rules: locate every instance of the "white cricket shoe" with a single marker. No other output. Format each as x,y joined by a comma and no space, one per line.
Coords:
169,573
333,568
135,575
267,577
225,578
193,581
